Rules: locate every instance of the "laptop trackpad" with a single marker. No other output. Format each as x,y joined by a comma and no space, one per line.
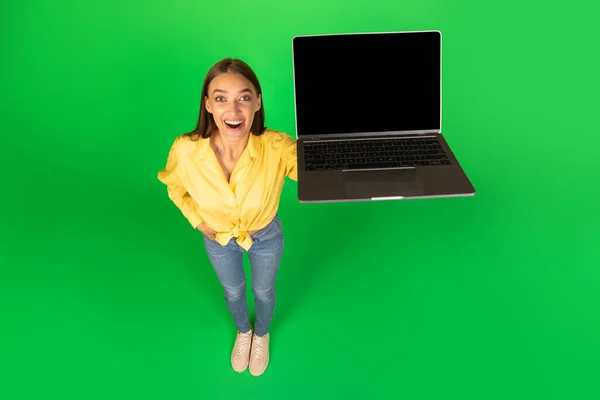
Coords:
382,183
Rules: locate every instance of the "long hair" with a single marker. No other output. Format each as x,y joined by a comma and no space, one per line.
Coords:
206,124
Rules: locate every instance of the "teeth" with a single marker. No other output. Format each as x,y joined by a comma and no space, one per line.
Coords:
234,122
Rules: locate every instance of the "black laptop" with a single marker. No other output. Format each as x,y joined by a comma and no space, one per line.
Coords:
368,118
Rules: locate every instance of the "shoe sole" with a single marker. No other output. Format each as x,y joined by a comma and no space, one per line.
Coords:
262,372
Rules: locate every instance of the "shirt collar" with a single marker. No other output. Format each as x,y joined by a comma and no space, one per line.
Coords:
253,146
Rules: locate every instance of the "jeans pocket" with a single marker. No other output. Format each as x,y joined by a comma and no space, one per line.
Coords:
272,230
210,242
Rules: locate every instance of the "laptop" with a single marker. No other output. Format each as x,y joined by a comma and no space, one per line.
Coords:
368,118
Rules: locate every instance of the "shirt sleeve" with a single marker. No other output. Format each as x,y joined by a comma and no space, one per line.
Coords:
290,158
176,190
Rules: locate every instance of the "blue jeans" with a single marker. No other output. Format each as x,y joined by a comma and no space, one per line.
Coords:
265,256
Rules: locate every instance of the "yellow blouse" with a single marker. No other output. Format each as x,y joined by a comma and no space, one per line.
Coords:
249,201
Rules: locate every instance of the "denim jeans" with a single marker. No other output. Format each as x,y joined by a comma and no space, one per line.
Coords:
265,256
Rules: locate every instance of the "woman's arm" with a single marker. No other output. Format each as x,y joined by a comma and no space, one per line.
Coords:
290,158
176,190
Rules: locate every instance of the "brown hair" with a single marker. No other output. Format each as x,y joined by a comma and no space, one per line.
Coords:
206,124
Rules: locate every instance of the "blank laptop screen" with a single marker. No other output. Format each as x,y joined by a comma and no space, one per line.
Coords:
356,83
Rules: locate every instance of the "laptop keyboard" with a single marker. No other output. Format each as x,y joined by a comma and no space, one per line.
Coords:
373,153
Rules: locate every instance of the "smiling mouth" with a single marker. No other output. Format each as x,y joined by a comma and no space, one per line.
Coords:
234,124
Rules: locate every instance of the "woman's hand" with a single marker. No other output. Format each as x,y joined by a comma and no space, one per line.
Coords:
208,231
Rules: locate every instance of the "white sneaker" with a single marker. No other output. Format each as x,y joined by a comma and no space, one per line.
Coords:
241,351
259,356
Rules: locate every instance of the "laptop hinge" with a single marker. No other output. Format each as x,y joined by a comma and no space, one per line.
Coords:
366,137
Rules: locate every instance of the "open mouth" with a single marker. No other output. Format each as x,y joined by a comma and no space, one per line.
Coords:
234,124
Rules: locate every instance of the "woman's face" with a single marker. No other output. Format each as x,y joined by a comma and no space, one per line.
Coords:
232,100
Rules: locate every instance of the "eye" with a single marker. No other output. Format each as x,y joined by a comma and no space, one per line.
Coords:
220,98
245,98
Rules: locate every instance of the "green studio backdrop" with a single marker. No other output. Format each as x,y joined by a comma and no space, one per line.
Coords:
106,292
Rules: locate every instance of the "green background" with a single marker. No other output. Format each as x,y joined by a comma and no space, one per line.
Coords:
106,292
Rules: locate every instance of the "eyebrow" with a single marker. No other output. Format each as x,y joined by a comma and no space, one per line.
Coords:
225,91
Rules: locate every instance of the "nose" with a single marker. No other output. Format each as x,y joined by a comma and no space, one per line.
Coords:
234,107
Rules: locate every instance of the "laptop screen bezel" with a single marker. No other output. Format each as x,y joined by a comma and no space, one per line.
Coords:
364,134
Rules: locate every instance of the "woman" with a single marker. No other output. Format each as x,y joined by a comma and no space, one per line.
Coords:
226,177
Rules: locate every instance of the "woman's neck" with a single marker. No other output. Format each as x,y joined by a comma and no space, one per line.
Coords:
226,148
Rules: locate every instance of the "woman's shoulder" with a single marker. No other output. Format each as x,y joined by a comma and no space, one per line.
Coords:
185,143
275,137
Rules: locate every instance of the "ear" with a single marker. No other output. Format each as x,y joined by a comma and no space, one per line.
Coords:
207,105
259,104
